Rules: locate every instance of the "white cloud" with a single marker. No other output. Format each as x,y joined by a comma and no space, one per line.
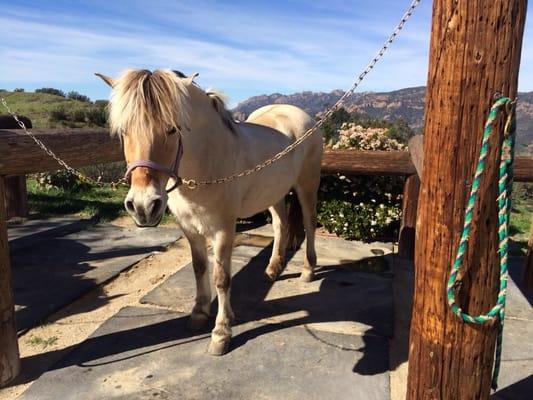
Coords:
237,49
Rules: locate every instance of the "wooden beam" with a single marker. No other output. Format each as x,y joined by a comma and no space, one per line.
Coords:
78,147
416,151
359,162
9,352
406,241
88,146
474,53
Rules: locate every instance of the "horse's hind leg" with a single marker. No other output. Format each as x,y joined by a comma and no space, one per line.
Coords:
279,223
221,335
307,195
200,311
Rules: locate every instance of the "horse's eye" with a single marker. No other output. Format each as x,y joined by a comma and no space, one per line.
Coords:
172,131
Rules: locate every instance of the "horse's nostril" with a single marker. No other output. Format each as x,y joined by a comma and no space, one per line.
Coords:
157,206
130,206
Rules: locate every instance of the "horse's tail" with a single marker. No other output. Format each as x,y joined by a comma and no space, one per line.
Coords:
296,233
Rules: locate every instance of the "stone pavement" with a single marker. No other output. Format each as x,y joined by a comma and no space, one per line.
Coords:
57,261
328,339
516,371
292,340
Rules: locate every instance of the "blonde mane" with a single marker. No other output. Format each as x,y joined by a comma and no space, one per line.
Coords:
144,102
218,100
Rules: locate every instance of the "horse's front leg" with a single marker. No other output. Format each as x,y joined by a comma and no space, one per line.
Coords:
200,311
221,335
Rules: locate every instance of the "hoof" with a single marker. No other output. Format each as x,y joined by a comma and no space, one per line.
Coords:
197,322
218,348
274,270
271,276
307,276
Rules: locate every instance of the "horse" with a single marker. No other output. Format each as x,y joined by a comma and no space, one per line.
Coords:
171,128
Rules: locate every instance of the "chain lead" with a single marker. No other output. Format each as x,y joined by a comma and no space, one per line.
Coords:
191,183
330,111
62,163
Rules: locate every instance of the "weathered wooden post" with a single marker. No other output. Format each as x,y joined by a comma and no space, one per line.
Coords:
9,352
16,195
474,53
406,242
411,189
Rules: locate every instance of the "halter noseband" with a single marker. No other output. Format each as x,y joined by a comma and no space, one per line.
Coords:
171,172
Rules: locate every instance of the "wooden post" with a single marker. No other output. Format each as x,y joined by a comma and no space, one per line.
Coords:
9,352
16,196
406,242
474,53
528,262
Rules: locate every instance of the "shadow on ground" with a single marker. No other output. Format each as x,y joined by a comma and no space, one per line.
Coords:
347,293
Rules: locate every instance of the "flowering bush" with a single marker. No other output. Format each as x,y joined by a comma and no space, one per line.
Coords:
352,136
362,207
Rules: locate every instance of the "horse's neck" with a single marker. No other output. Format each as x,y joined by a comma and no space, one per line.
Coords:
209,143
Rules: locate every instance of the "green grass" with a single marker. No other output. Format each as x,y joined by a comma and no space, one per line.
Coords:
521,217
44,343
104,203
37,107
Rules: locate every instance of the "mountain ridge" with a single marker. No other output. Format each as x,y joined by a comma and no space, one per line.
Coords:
406,103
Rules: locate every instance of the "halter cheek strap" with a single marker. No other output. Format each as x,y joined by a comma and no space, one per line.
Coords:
171,172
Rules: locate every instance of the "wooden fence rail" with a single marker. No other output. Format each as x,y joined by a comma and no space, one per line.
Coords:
87,146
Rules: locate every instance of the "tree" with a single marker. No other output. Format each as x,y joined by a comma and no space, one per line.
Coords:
55,92
77,96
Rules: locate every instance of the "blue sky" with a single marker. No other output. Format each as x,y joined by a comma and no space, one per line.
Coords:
243,48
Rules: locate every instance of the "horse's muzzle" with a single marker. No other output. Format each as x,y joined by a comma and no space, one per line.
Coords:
145,210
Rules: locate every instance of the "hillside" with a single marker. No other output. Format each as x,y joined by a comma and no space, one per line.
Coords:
407,104
38,106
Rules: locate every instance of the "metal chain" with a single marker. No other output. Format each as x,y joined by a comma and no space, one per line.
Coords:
191,183
52,154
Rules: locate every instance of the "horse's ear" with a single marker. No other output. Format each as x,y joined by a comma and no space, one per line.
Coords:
190,78
107,79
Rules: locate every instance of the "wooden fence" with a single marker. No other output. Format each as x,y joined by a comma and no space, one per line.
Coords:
83,147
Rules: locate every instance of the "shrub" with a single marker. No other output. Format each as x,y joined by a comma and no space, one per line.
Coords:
96,116
351,135
61,179
77,96
77,115
19,90
53,91
101,103
58,114
362,207
110,172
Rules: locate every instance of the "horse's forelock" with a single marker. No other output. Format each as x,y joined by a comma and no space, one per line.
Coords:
147,102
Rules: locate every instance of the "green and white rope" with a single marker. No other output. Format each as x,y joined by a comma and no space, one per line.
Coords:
496,313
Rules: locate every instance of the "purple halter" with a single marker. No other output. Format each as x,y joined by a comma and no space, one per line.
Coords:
171,172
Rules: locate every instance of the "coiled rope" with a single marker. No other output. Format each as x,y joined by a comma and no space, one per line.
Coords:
496,313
